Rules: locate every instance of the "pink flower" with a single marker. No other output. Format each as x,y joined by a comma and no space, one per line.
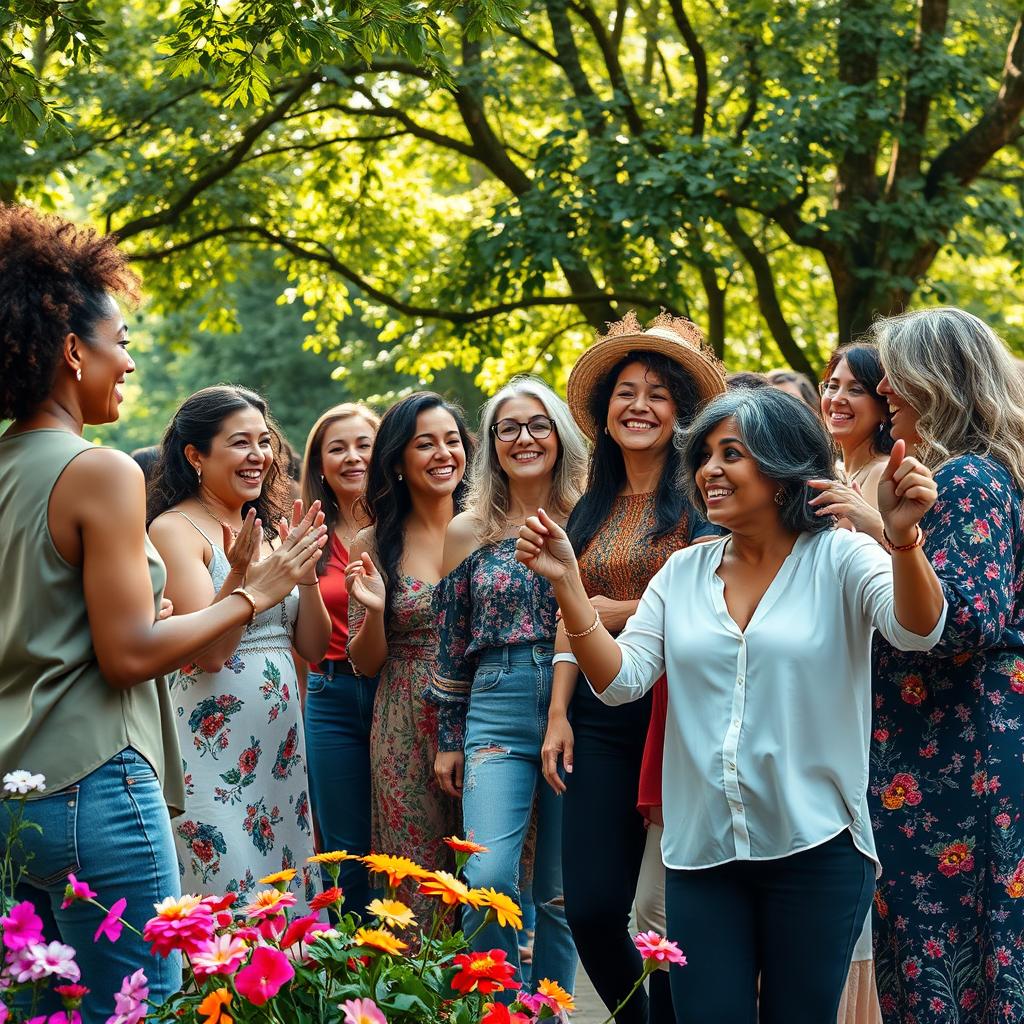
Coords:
268,970
220,955
130,1003
22,926
76,890
363,1011
111,926
40,960
180,924
64,1017
653,947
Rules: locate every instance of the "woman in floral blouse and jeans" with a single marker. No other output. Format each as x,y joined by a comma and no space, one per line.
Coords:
493,676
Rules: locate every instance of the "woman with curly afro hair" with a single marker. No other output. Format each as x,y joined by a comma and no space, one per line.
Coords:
85,635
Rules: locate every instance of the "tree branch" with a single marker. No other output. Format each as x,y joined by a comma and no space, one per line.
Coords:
700,64
568,56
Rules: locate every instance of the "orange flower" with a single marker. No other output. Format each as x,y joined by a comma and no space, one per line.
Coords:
214,1007
331,857
327,898
279,879
392,913
1015,889
505,909
449,888
465,845
553,991
396,868
380,939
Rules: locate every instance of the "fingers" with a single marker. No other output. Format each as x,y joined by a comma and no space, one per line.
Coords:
166,609
296,513
549,759
550,526
820,485
896,456
227,539
368,567
302,528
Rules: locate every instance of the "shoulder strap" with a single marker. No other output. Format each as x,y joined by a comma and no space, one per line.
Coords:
188,519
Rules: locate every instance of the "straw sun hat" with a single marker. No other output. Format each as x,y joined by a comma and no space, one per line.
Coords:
674,337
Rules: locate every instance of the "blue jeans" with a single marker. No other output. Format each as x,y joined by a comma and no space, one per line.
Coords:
111,830
338,715
508,714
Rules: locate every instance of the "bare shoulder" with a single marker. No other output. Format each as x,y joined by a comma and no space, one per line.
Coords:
365,542
461,539
106,467
172,530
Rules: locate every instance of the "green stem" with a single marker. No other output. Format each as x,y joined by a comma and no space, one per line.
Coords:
435,924
632,992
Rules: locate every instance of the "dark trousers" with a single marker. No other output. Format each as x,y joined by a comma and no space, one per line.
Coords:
792,921
337,717
603,838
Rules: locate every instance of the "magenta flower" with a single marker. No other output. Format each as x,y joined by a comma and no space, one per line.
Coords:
76,890
130,1003
267,972
653,948
110,926
22,926
220,955
38,961
180,924
363,1011
64,1017
3,1012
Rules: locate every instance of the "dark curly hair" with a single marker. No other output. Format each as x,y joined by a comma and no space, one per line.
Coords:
55,277
197,422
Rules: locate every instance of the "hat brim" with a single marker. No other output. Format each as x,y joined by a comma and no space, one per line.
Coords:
592,367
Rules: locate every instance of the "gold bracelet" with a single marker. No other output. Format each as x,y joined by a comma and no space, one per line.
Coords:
590,629
242,592
315,583
916,543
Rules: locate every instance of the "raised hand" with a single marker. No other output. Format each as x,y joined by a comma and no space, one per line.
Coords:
244,548
905,493
270,579
365,583
544,547
284,528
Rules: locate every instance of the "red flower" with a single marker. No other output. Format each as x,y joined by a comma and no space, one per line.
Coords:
934,949
203,850
969,999
912,968
903,789
498,1013
1003,820
881,735
913,691
955,858
327,898
483,972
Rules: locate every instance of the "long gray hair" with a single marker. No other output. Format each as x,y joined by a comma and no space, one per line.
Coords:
961,380
488,498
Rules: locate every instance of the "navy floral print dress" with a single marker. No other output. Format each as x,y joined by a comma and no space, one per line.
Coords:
947,772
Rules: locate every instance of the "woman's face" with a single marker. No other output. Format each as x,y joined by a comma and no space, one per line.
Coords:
434,460
904,416
104,364
345,456
641,411
734,489
851,413
527,458
239,460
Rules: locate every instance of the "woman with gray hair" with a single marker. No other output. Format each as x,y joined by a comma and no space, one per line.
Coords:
493,676
947,757
767,844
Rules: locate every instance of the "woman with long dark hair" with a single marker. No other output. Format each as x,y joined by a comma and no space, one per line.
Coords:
630,393
237,705
85,636
339,704
415,485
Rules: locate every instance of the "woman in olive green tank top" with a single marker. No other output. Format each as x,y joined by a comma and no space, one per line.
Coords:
83,643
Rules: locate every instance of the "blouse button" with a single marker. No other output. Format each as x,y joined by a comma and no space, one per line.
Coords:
732,767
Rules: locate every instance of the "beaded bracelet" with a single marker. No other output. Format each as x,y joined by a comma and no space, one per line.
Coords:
916,543
588,630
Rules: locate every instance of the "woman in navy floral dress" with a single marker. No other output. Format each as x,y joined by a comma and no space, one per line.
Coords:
947,759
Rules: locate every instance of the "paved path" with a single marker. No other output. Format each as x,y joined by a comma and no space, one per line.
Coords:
589,1008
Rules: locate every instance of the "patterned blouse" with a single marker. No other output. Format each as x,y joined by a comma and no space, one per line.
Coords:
488,600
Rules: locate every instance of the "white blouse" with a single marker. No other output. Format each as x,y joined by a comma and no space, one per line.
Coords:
766,743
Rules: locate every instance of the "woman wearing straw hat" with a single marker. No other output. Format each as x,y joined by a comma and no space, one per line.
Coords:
630,393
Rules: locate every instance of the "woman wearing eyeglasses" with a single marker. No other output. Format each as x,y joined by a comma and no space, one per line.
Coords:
492,679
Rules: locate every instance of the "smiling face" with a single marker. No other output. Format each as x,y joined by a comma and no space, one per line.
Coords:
434,460
239,460
904,415
105,363
735,491
345,456
526,458
641,411
851,413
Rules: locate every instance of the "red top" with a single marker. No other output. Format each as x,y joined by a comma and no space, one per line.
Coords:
649,796
335,595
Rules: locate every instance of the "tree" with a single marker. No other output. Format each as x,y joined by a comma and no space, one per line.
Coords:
790,167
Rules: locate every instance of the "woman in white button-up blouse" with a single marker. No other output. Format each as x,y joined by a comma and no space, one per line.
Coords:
765,637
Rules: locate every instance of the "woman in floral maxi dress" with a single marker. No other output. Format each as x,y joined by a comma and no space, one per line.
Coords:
947,760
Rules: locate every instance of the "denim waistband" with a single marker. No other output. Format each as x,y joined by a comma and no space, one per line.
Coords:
540,652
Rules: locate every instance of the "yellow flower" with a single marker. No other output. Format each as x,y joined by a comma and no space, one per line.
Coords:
381,939
269,902
213,1007
171,909
279,876
449,888
396,868
556,994
504,908
331,857
392,913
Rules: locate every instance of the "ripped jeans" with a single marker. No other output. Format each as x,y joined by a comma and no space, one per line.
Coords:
508,715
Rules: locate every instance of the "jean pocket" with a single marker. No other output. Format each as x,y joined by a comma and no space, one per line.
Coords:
486,679
137,770
50,852
316,682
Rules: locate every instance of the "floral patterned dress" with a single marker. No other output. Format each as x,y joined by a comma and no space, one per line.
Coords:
947,772
411,815
243,753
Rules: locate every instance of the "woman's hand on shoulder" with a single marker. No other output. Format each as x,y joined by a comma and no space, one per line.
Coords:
906,491
847,504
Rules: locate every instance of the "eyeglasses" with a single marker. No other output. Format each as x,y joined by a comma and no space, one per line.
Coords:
538,427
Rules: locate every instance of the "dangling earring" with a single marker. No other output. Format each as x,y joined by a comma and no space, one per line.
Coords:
399,476
780,498
199,474
78,375
606,430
